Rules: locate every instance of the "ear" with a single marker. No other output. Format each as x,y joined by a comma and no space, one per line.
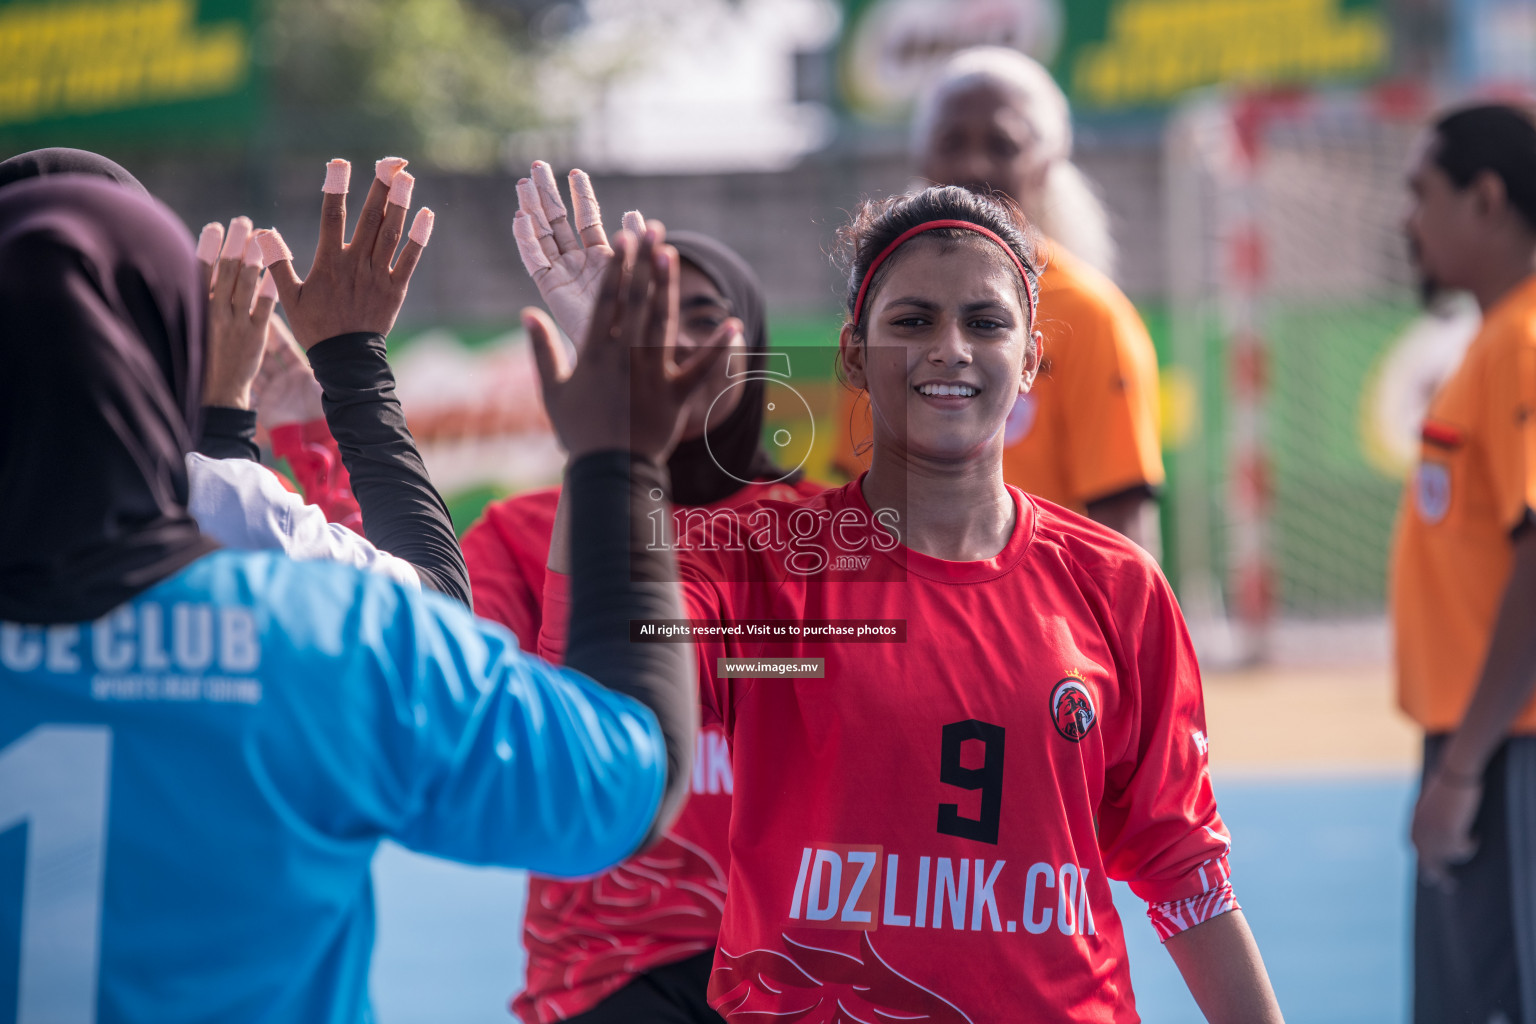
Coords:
851,353
1034,353
1489,195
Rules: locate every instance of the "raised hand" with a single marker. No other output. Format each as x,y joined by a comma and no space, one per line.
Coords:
626,391
566,269
355,286
285,390
239,309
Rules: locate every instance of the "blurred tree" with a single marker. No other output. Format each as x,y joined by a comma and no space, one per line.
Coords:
444,81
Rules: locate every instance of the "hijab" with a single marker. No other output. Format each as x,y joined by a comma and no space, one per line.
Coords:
737,441
41,163
101,347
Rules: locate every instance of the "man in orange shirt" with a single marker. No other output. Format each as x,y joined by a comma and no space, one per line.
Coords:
1086,436
1464,579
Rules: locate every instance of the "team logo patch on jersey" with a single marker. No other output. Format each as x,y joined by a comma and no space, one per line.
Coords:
1432,488
1072,707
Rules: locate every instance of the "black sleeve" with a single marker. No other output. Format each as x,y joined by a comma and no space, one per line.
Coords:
616,576
229,434
402,512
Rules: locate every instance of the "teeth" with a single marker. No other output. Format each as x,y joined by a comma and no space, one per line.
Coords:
959,390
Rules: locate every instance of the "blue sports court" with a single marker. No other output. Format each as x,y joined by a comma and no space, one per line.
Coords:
1320,863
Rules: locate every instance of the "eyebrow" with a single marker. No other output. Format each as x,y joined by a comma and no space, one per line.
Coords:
698,301
969,307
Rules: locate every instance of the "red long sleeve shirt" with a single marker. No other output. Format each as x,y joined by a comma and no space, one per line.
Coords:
315,459
587,939
928,831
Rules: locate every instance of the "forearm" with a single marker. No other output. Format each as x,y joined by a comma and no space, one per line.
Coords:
560,538
618,576
229,432
402,512
1221,965
1508,678
1133,515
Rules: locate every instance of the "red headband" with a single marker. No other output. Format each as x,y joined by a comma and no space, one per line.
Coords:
934,225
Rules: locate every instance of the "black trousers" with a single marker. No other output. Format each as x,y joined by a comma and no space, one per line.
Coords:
669,994
1472,946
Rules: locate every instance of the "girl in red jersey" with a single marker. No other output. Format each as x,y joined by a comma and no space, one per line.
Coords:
1004,712
636,942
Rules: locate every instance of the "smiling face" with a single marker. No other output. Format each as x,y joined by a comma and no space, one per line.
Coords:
702,310
983,139
947,350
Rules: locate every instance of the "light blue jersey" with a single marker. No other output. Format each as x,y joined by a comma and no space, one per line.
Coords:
192,787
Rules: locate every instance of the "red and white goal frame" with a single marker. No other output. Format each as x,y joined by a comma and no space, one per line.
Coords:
1231,252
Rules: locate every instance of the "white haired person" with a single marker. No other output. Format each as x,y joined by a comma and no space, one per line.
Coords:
1086,438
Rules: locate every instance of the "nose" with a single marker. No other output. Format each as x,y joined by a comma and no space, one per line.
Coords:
950,345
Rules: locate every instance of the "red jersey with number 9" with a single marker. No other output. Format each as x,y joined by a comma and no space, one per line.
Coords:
927,831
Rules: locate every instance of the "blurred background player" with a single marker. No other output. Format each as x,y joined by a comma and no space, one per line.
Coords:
846,833
1086,437
208,746
1464,578
635,943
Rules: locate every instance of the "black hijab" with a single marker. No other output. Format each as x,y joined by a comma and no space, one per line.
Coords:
100,378
738,440
41,163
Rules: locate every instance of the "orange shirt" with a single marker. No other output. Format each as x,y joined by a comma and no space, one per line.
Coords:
1475,483
1089,427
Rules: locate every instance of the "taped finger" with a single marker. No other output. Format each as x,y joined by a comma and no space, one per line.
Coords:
534,261
208,245
249,276
227,272
400,189
235,238
386,168
273,248
528,202
279,261
634,223
266,299
589,217
333,209
421,231
393,228
338,177
554,207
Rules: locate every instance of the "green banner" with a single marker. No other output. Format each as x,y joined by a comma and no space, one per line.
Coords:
1135,53
145,71
1111,55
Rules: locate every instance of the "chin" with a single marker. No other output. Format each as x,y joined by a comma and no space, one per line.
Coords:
948,446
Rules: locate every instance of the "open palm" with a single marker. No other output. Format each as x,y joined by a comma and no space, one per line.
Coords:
566,263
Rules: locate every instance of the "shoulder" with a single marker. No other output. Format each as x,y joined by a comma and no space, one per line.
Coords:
526,519
1509,329
235,475
1095,554
527,507
1070,288
237,502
